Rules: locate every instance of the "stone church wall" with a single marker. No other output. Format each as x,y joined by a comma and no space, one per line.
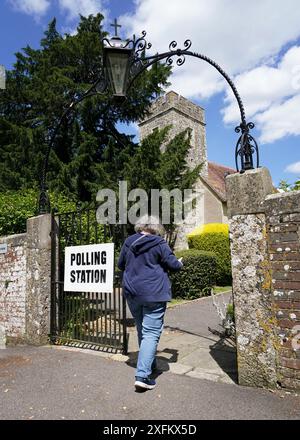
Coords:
179,113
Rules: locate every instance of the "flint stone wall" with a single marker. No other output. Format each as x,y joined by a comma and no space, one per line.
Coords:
25,280
265,237
13,288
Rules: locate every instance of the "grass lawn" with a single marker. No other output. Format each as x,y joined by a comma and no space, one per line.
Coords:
176,301
220,289
217,289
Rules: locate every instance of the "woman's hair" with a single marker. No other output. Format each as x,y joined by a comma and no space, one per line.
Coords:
149,224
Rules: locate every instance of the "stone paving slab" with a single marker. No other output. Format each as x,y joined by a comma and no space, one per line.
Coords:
187,346
180,368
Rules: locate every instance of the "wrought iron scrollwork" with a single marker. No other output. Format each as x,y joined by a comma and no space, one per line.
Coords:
101,85
246,148
138,61
174,51
139,45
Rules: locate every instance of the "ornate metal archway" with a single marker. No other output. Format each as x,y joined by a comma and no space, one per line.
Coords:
137,62
246,146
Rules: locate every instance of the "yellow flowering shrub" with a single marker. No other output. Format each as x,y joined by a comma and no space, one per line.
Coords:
214,237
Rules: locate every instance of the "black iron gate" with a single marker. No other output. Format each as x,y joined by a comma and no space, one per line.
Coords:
85,319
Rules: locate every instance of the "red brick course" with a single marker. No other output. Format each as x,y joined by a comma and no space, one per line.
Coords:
286,275
282,265
288,304
290,363
285,247
286,323
284,227
289,285
285,256
283,235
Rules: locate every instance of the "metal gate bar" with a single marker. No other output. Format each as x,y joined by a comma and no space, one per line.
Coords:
90,319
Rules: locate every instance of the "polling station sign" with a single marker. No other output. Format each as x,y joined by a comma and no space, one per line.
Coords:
89,268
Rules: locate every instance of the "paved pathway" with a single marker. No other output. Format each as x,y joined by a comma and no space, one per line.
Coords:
191,343
55,383
70,383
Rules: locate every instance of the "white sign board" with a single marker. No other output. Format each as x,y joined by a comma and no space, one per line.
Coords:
89,268
3,248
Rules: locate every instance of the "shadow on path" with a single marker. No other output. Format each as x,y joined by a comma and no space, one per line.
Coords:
193,343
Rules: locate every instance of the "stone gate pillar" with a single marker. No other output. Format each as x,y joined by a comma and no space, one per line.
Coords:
252,278
38,286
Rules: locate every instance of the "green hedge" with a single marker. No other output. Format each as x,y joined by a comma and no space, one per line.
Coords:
196,276
214,237
17,206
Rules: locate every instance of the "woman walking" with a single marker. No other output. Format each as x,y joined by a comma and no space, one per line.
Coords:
145,259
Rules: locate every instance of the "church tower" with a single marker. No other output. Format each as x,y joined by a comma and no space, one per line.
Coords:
180,113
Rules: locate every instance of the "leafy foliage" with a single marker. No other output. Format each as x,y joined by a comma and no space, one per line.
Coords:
214,237
86,154
159,163
285,186
89,153
17,206
196,276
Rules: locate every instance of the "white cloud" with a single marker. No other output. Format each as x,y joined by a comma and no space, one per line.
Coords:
266,85
36,8
245,39
236,33
83,7
271,95
293,168
280,120
73,8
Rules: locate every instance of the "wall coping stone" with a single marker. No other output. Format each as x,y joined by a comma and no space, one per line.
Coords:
282,203
13,240
246,192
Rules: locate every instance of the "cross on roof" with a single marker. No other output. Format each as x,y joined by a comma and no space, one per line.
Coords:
116,25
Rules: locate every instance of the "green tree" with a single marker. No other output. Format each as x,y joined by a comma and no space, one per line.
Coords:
160,163
88,151
285,186
17,206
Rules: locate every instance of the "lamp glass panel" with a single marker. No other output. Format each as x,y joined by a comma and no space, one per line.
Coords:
117,68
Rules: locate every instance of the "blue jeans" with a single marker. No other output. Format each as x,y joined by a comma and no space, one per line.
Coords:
149,320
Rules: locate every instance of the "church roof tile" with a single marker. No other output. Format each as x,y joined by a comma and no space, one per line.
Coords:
216,178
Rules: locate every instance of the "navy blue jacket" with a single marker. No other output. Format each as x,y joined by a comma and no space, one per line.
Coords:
145,260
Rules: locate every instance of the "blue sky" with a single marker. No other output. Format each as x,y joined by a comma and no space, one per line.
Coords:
260,52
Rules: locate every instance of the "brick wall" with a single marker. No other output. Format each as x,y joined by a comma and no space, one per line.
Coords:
283,226
13,287
25,281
